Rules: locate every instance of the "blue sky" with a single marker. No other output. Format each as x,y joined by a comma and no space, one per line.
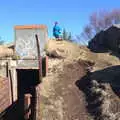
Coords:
71,14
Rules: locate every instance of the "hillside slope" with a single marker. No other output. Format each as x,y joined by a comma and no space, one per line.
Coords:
63,97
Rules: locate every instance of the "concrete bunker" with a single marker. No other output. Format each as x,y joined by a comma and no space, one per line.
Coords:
22,70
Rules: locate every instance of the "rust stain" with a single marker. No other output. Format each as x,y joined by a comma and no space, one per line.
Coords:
30,27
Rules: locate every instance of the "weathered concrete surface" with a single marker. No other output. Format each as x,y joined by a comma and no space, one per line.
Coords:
26,46
3,73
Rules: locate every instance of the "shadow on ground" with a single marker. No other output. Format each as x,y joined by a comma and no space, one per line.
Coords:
16,110
12,112
100,49
105,50
110,75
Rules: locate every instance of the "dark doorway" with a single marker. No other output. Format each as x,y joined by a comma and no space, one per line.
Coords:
27,80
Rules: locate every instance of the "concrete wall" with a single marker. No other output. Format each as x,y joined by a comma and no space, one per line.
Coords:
26,46
12,67
3,68
3,74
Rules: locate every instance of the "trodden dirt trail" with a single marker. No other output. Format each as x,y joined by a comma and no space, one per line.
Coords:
60,97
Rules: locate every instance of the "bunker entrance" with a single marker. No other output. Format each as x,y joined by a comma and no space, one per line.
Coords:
27,80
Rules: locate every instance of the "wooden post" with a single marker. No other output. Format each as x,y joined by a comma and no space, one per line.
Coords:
46,62
27,103
11,85
6,69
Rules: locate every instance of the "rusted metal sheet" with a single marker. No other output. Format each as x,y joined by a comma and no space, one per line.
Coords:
27,106
26,46
5,94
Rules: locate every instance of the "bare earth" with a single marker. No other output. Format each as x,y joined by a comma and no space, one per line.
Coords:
61,99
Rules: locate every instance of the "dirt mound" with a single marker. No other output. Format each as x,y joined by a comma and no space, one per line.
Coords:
67,50
61,99
5,52
68,64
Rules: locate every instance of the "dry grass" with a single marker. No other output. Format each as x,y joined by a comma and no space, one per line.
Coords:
72,51
101,94
109,107
5,52
68,50
105,94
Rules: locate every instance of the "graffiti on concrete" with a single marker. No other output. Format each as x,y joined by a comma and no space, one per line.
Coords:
25,44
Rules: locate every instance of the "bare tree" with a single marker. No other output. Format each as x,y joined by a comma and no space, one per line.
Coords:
67,35
100,21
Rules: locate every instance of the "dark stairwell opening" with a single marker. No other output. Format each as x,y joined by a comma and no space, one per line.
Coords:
27,80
